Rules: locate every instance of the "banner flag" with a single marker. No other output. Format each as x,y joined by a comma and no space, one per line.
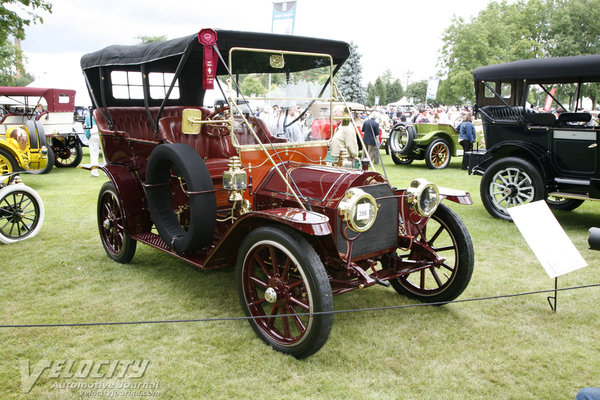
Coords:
432,88
284,16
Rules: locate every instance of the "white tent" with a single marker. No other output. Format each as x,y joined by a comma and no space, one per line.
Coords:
61,71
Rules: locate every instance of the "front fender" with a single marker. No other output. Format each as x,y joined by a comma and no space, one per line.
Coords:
526,150
455,195
309,223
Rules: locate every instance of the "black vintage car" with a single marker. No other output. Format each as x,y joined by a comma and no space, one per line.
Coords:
547,152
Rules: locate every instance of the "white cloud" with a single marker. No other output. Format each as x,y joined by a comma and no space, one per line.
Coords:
400,36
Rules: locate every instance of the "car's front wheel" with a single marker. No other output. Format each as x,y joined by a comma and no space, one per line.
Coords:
510,182
280,279
444,250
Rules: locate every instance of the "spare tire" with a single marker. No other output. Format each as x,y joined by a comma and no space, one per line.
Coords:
32,133
186,163
41,141
402,139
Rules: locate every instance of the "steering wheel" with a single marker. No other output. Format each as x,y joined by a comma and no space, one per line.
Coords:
217,131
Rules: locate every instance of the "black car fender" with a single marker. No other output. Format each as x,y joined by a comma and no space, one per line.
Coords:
535,154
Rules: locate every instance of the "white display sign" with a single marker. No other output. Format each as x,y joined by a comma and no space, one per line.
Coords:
546,238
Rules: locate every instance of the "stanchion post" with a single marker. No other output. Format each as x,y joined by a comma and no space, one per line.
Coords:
552,299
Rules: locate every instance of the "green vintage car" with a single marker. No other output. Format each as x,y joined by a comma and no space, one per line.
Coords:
434,143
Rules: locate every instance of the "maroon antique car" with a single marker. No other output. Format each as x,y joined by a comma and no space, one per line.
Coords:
215,188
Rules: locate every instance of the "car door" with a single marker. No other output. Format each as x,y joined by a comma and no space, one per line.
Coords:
575,150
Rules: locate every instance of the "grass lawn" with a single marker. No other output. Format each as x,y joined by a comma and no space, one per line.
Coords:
513,348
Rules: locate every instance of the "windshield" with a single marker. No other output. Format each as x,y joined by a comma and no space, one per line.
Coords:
566,96
278,102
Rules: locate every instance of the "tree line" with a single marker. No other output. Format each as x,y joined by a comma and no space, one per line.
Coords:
502,32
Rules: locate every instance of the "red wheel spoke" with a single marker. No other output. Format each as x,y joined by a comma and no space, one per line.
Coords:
300,303
271,321
256,280
273,256
286,326
436,277
293,285
257,302
262,264
436,235
286,269
422,279
449,268
297,320
444,248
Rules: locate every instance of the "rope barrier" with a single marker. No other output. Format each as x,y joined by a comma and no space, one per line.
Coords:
220,319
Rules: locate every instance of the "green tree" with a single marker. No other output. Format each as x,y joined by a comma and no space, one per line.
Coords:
15,15
350,76
417,91
253,86
386,89
501,32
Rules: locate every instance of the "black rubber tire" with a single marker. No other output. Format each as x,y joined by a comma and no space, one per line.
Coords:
34,143
402,139
564,204
437,155
399,160
8,163
186,163
119,246
296,261
21,213
450,234
41,137
495,191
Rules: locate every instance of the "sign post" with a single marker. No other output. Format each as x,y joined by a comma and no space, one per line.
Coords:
549,242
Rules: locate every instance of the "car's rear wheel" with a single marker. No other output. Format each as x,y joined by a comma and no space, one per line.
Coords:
438,154
510,182
400,160
111,225
446,246
280,278
21,213
563,203
66,155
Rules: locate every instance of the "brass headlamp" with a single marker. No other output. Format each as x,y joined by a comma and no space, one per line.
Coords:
423,197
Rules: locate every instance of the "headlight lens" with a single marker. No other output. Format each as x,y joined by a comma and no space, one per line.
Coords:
423,197
358,209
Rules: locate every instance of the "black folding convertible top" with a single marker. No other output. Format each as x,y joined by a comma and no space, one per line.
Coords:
158,52
184,57
544,70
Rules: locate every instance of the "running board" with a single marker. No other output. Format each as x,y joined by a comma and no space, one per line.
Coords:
572,196
154,240
568,181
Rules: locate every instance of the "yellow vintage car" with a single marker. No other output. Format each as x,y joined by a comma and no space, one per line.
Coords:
23,147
